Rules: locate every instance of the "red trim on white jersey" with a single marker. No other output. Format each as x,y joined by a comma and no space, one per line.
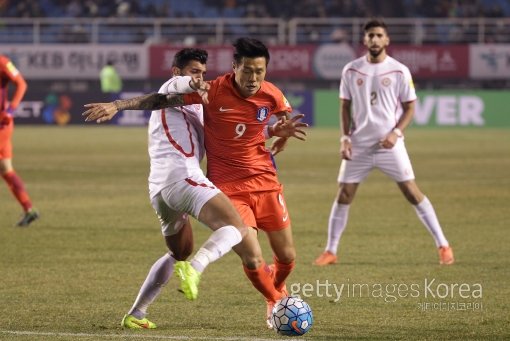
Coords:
172,141
195,184
387,73
357,71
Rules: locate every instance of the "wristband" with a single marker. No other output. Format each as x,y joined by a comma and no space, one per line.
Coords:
345,138
398,132
179,85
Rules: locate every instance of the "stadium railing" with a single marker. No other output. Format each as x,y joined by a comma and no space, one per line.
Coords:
187,31
190,31
416,31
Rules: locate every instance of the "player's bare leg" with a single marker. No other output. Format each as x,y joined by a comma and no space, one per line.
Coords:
17,188
219,212
228,230
181,243
337,222
180,246
284,252
249,250
254,265
255,268
427,215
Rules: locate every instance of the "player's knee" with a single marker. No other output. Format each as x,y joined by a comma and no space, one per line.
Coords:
250,258
287,256
180,249
249,250
4,167
243,230
414,199
183,252
412,193
345,198
253,262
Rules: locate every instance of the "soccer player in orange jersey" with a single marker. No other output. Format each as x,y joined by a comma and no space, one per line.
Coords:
237,109
9,73
240,105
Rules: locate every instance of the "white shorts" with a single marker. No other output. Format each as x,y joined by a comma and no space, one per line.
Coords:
393,162
174,202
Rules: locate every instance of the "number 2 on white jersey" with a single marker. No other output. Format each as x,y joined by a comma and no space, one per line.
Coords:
373,98
240,129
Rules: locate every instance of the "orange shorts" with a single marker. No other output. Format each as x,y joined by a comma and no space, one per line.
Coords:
6,128
265,210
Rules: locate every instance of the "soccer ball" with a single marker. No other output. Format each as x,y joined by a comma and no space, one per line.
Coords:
292,316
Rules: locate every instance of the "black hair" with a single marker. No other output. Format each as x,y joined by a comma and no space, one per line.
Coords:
249,48
184,56
375,22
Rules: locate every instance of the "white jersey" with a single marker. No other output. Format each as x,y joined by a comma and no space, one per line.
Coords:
176,139
376,91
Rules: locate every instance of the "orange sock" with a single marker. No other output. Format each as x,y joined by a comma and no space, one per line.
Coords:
18,189
282,271
262,281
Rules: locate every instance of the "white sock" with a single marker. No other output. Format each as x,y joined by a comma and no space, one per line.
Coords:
219,243
157,278
336,225
428,217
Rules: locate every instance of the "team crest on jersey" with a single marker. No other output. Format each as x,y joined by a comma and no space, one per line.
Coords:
359,81
262,113
386,81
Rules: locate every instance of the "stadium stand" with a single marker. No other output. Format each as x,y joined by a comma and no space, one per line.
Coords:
170,24
221,21
285,9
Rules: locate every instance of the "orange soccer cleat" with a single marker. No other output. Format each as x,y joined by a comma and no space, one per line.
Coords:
269,313
325,258
446,255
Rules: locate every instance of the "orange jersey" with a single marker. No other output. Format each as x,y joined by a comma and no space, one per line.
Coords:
9,73
234,131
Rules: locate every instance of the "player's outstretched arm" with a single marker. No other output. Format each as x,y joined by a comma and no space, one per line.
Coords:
102,112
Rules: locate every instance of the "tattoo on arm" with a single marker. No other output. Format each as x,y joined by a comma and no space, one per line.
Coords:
152,101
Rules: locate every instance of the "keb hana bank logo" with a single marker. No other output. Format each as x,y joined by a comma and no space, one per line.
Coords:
429,292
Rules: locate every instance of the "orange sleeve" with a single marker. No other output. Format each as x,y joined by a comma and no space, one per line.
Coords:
15,76
282,105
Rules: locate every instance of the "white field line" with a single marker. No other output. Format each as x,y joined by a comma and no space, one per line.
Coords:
131,336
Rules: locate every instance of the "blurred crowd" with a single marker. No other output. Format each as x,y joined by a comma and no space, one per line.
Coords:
259,9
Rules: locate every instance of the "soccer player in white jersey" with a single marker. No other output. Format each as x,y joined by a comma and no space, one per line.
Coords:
377,103
178,187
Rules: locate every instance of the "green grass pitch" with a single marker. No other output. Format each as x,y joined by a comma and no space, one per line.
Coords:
73,274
